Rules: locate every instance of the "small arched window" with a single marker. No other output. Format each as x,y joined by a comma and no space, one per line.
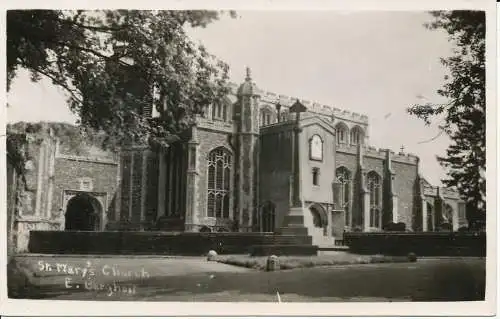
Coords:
315,176
284,116
342,132
316,148
219,183
220,111
374,188
356,135
266,117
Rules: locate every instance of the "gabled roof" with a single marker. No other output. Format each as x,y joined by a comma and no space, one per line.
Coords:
316,120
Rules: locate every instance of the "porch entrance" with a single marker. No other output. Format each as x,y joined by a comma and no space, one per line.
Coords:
83,213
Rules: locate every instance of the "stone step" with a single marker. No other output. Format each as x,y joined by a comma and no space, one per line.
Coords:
293,230
293,220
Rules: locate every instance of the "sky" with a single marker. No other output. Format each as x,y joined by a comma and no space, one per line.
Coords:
373,63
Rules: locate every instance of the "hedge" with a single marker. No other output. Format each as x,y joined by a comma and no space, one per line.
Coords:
420,243
148,242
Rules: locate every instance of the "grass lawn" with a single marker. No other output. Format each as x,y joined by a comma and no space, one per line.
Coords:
189,279
292,262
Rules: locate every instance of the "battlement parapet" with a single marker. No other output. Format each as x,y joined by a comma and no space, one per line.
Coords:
382,153
312,106
405,158
374,152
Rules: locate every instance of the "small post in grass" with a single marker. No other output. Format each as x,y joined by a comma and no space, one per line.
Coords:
273,263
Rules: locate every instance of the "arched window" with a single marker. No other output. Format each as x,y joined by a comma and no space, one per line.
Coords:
342,132
316,148
374,187
266,117
344,179
315,176
356,135
284,116
220,111
224,112
219,183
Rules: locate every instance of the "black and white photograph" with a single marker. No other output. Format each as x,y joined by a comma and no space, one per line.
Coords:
253,156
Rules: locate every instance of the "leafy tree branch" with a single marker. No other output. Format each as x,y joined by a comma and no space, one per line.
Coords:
465,113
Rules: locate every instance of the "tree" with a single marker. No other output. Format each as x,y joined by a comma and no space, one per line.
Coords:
110,62
465,113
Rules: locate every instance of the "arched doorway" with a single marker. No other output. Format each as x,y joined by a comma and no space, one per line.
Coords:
317,221
83,212
319,217
268,213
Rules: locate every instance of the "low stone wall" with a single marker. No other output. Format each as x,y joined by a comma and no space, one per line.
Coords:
420,243
149,242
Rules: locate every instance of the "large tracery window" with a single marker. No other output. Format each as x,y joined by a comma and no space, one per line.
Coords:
219,183
374,187
344,179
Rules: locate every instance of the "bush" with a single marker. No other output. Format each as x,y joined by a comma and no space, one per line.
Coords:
420,243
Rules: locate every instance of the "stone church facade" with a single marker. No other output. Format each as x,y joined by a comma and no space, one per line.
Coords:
235,170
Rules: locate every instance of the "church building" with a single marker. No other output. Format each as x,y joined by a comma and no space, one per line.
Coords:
258,162
239,166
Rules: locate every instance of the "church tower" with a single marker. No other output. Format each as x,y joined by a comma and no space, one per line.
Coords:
247,153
